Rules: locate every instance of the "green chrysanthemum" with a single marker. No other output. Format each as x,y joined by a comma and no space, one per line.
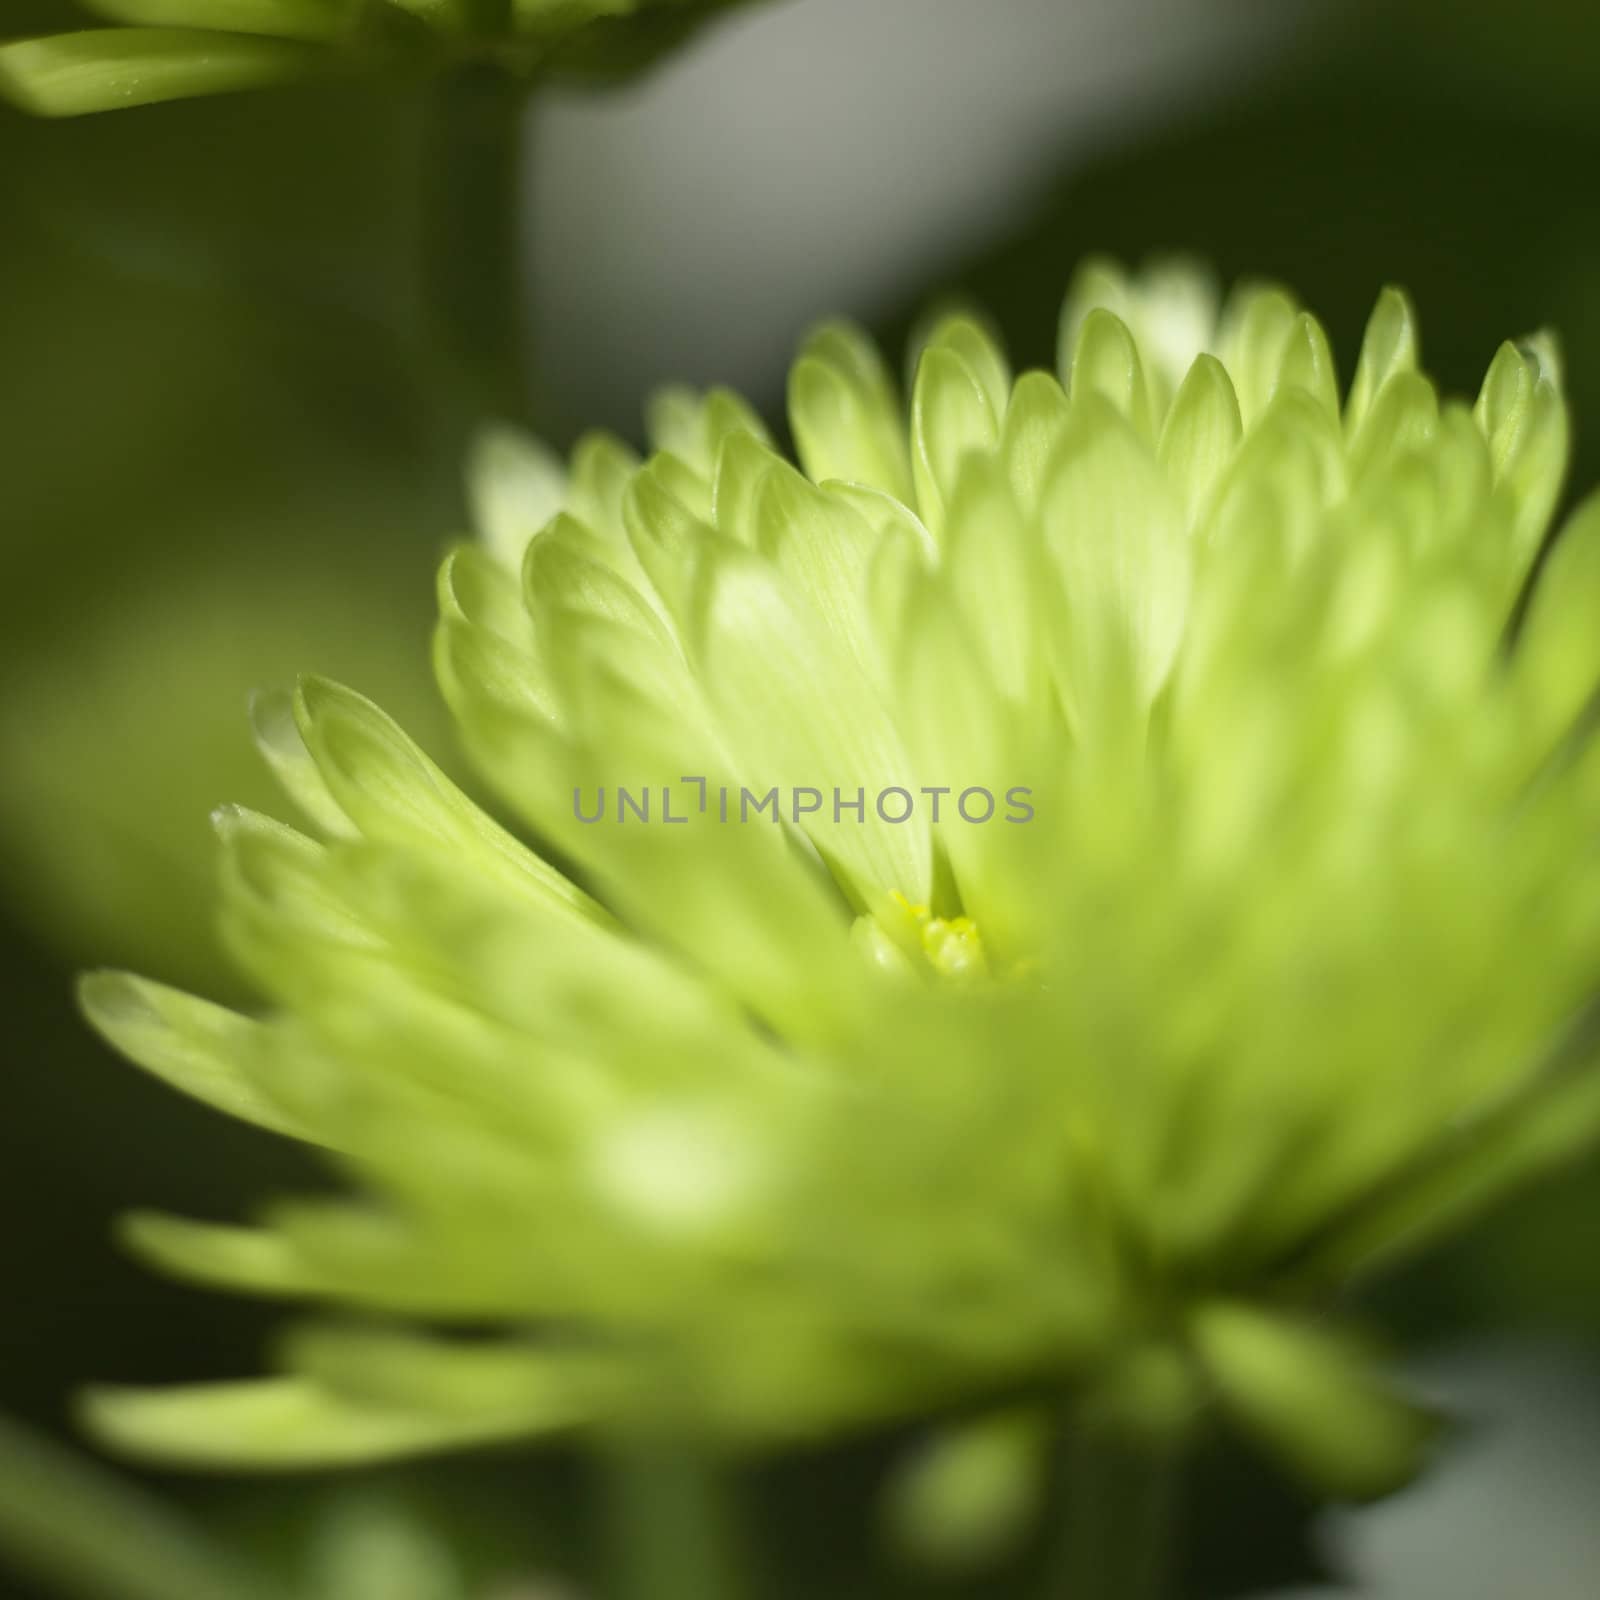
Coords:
1271,954
175,49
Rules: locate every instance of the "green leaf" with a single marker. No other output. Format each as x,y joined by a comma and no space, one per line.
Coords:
111,69
89,1535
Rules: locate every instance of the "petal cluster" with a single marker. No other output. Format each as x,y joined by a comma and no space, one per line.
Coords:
176,49
1273,954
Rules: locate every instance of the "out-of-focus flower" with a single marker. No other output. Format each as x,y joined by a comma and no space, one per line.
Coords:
176,49
1028,904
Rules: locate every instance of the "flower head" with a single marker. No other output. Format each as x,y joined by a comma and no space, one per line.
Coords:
1033,898
176,49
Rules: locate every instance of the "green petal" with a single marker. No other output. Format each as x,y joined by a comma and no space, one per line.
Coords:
845,413
272,1425
823,548
1201,435
203,1049
1256,330
691,426
743,464
736,902
285,19
1308,363
1099,284
1403,420
1106,362
1112,525
997,576
515,485
281,919
1550,1116
544,1386
975,341
1035,428
278,739
484,596
666,531
1283,478
243,1260
602,467
480,673
1557,661
1390,347
393,792
591,620
1523,415
952,415
111,69
675,423
1314,1399
1170,307
803,713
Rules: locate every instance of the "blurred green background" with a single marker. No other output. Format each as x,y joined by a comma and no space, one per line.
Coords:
220,461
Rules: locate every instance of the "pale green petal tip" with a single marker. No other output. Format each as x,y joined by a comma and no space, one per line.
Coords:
515,485
283,747
1390,348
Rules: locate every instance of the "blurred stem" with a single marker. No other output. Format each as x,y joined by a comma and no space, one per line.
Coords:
670,1528
1118,1531
472,230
